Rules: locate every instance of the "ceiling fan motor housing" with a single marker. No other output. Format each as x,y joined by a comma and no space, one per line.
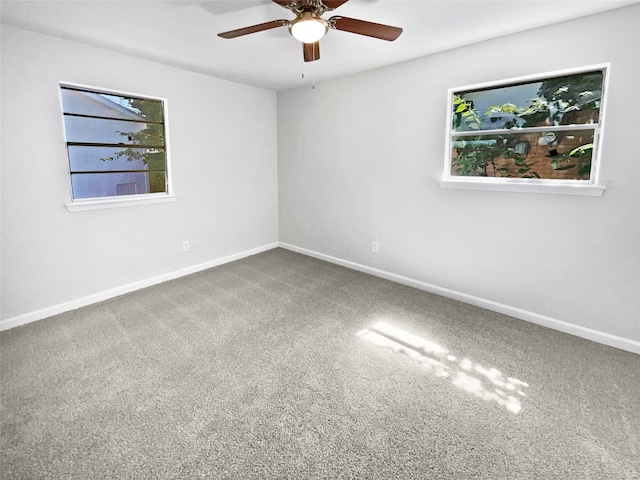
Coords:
299,6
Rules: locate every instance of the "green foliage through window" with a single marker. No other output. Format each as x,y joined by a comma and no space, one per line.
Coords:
544,129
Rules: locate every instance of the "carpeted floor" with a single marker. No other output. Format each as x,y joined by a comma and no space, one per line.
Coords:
283,366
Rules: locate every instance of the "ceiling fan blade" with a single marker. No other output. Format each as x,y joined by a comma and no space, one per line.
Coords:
283,3
254,28
311,51
333,4
370,29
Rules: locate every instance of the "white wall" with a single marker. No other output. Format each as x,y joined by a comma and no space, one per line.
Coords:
360,159
223,148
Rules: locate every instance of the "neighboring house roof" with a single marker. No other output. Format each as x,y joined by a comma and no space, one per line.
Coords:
99,104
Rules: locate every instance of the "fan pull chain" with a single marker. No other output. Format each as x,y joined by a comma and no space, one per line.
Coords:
313,76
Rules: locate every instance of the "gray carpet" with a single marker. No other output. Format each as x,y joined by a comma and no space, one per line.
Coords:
284,366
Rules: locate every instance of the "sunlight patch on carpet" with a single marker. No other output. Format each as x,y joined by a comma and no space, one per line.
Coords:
490,384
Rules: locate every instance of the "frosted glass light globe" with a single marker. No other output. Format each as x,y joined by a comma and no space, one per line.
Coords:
308,29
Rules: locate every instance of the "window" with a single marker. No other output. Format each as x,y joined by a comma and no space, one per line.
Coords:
116,147
538,134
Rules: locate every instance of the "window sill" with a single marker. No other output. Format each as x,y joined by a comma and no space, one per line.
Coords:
524,186
114,202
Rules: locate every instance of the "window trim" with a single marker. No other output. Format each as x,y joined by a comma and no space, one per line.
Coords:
592,187
97,203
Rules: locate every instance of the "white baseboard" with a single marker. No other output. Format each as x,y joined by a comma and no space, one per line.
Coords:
583,332
131,287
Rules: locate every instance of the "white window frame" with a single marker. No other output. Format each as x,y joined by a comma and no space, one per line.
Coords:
97,203
591,187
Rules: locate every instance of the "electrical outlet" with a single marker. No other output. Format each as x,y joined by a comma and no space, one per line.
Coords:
185,246
374,247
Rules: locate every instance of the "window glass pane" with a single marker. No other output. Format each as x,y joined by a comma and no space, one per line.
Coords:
566,100
115,144
110,105
91,185
97,130
553,155
101,159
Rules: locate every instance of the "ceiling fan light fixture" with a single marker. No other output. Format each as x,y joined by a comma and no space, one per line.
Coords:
308,28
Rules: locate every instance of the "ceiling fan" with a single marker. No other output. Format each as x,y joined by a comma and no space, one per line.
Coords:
308,26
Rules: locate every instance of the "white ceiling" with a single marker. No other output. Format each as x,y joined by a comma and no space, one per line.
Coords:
183,33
